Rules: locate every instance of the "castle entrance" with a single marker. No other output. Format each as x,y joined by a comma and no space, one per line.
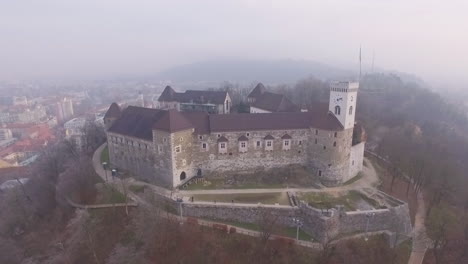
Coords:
183,176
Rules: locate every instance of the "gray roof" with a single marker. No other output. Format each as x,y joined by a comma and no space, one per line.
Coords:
139,122
193,96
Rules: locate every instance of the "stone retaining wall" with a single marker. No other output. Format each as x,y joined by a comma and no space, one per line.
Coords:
322,225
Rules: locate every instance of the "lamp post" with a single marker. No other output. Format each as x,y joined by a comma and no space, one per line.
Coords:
114,174
298,224
104,166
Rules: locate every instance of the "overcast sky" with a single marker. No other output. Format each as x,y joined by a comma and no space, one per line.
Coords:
99,38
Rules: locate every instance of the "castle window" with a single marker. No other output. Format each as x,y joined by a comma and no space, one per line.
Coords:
337,110
203,145
219,135
247,134
258,143
200,137
160,149
286,144
164,139
351,110
300,142
243,146
319,173
269,145
336,134
316,131
222,148
334,144
324,147
177,149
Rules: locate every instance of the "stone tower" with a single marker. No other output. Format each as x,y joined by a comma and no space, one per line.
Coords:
343,102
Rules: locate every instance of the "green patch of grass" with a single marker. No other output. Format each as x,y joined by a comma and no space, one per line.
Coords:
349,200
367,199
249,198
322,200
105,155
354,179
111,195
137,188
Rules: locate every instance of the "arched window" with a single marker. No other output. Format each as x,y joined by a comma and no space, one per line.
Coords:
337,110
183,176
351,110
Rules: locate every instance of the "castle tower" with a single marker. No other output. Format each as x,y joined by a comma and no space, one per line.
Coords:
342,103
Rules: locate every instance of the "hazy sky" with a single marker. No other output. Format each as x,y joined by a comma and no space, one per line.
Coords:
99,38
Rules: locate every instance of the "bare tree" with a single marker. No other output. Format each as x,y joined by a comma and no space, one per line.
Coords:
268,223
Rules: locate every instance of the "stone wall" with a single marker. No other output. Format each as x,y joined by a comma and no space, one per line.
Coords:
134,155
330,160
395,219
241,213
355,161
322,225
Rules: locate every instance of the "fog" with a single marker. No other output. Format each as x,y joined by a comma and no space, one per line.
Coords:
107,38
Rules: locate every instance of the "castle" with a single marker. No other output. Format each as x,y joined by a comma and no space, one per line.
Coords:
168,148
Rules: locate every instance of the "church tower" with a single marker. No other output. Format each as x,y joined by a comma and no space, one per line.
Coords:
342,103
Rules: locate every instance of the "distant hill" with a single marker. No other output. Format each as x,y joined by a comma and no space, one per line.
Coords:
270,71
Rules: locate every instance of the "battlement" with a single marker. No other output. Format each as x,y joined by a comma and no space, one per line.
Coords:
343,86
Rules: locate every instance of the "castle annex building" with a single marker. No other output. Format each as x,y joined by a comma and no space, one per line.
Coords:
168,147
262,101
213,102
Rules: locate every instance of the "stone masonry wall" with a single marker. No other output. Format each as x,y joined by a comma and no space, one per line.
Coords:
355,161
330,162
321,225
132,154
256,157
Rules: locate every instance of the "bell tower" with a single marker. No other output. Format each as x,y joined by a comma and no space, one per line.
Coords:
342,102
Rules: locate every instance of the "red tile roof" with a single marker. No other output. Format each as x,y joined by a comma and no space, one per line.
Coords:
172,121
139,122
243,138
114,111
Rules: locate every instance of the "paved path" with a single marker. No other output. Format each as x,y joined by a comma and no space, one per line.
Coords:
369,180
420,239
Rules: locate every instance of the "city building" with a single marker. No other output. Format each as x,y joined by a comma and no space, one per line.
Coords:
213,102
169,148
74,131
64,109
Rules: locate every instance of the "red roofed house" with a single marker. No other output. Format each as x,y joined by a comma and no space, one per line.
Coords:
168,147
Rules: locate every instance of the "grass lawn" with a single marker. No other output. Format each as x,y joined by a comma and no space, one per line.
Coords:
354,179
283,231
326,201
105,155
137,188
214,184
107,194
249,198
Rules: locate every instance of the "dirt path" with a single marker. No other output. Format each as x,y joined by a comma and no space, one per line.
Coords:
420,239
